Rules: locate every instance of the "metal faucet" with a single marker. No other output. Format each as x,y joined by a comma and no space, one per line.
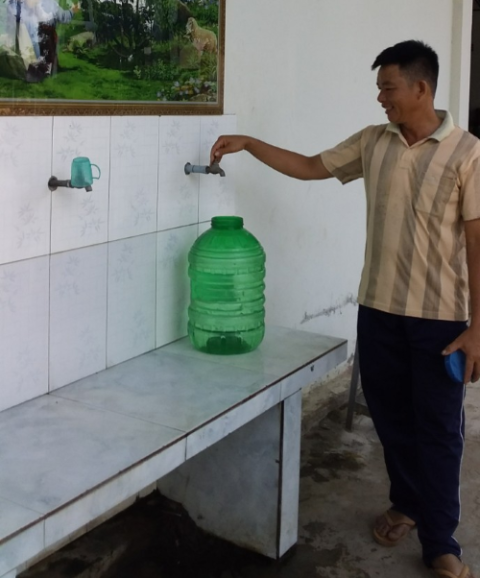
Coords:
54,183
213,169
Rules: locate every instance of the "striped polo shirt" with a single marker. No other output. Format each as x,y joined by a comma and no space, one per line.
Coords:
417,199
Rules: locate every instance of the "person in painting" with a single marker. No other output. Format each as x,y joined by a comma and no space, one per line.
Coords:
31,30
420,285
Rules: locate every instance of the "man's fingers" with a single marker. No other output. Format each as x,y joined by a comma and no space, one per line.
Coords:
475,376
450,348
225,145
216,154
215,157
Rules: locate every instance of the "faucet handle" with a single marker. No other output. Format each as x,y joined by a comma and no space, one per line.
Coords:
215,169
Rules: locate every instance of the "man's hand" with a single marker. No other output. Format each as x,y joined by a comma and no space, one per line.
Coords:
286,162
227,144
469,343
469,340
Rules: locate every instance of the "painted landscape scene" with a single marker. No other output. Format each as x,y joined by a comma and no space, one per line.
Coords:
163,51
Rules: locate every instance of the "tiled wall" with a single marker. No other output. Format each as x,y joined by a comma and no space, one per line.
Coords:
88,280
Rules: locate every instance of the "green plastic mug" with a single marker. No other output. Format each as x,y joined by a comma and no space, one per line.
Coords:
82,172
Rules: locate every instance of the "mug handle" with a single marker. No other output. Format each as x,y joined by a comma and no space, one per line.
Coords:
99,172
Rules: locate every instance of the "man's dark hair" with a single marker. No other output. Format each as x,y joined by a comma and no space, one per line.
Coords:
416,60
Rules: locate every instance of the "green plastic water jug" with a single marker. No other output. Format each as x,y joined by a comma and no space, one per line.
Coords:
227,282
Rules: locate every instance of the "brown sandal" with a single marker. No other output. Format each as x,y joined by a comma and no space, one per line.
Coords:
389,542
465,573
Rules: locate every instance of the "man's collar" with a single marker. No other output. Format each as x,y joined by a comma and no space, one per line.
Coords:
444,130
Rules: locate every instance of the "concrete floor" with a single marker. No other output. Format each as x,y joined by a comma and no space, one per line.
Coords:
343,488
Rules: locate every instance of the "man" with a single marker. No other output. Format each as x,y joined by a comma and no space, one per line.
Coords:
422,260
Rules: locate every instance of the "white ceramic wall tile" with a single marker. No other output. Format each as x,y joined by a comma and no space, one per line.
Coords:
202,227
25,200
177,192
131,297
173,288
23,331
133,176
78,318
217,194
80,218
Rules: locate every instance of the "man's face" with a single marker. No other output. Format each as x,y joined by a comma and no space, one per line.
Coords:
398,96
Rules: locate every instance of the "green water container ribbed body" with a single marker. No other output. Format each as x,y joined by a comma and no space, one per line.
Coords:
227,289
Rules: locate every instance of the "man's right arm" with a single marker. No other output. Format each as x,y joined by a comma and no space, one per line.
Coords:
287,162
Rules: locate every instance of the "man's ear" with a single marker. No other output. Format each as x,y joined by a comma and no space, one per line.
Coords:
423,89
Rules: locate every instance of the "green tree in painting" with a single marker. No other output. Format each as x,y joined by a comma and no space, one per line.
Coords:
165,15
123,24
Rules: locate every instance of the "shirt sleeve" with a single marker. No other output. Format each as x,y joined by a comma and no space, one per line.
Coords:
344,161
470,187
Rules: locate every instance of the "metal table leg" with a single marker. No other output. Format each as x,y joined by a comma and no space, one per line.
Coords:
353,390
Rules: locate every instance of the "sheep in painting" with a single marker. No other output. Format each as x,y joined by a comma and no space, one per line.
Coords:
203,40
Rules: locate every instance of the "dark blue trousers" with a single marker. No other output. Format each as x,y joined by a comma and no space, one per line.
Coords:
418,413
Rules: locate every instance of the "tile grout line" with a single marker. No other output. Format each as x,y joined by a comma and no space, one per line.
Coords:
157,240
108,241
199,154
49,284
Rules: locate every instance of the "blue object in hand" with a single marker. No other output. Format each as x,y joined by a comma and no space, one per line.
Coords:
455,365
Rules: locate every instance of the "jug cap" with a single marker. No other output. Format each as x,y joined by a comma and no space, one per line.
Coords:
227,222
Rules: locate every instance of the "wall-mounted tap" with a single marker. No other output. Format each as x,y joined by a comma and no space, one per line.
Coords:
82,177
54,183
213,169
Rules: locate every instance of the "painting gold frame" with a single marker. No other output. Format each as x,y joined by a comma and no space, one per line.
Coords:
184,97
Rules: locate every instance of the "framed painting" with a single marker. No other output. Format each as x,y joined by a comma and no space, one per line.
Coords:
111,57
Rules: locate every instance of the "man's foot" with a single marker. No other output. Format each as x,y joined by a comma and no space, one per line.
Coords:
391,528
449,566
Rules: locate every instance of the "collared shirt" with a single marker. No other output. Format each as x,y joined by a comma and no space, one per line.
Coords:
418,198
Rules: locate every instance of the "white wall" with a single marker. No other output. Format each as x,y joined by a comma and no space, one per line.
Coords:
88,280
460,61
298,76
475,80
